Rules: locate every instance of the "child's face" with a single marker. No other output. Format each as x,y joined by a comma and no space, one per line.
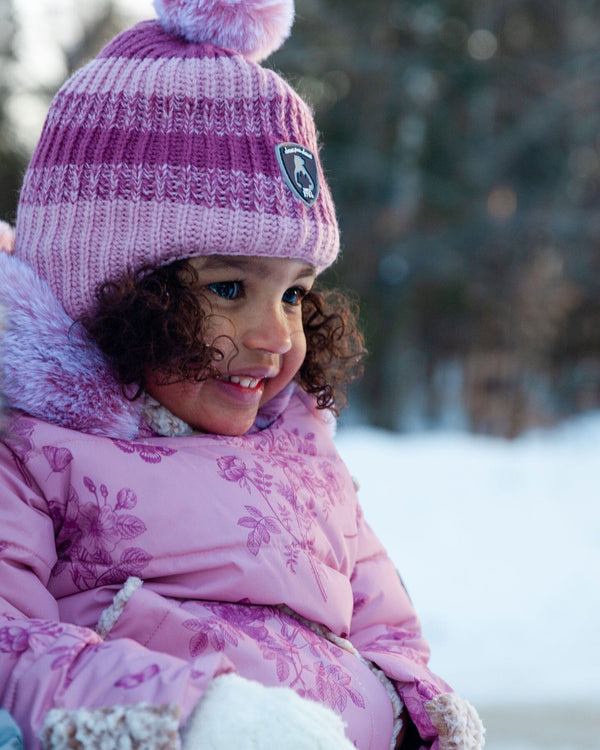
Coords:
255,319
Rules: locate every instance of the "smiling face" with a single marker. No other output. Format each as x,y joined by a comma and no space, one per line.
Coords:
255,320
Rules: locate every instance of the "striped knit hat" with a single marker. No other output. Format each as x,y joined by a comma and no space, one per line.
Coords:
172,143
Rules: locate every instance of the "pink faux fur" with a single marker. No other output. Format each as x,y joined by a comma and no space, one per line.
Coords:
50,369
256,28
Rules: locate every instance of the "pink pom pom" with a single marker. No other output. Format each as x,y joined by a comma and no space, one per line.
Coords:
256,28
7,238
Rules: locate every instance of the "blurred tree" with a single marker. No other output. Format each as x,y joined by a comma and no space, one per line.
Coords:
461,141
25,87
11,160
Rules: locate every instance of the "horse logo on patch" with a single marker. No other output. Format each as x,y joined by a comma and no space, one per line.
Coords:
299,169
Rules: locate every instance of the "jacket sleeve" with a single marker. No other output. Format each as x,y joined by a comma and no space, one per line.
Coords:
46,663
386,631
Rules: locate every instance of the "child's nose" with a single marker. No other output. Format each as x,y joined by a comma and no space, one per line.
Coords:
268,330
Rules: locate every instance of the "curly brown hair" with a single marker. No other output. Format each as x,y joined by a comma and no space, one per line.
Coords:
154,320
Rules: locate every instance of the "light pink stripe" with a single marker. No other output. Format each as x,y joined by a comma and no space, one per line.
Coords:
221,78
187,225
106,235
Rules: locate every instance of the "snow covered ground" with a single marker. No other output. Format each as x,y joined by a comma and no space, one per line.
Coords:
498,544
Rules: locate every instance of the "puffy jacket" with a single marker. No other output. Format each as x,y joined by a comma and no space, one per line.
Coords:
134,567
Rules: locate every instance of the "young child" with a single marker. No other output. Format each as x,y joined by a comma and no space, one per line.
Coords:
183,560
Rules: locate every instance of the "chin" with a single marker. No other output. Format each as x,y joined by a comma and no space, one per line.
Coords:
229,428
232,432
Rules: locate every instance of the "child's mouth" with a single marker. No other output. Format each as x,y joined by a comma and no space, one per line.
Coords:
244,381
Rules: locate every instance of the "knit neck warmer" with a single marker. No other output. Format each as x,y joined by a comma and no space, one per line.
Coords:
163,422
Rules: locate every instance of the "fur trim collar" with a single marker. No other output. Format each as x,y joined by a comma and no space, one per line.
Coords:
50,369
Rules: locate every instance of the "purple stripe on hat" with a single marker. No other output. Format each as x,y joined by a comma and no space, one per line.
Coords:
89,116
129,149
148,40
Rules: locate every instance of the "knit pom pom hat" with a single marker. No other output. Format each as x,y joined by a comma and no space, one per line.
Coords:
173,143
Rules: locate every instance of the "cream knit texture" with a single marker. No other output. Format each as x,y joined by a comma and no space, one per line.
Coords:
457,722
139,727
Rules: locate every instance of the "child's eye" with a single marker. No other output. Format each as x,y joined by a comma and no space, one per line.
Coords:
294,295
226,289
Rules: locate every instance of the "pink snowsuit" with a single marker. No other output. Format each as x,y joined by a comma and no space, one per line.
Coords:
253,551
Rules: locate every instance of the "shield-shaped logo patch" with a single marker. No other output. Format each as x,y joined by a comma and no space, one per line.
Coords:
298,166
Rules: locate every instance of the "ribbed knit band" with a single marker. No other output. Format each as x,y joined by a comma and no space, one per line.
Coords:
162,149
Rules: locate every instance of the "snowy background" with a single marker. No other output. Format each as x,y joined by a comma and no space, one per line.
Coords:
498,544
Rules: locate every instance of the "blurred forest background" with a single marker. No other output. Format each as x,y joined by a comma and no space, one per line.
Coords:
462,144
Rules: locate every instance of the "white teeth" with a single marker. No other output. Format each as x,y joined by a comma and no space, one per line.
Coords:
243,380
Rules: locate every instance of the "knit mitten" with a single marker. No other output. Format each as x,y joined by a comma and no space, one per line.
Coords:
138,727
240,714
457,722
